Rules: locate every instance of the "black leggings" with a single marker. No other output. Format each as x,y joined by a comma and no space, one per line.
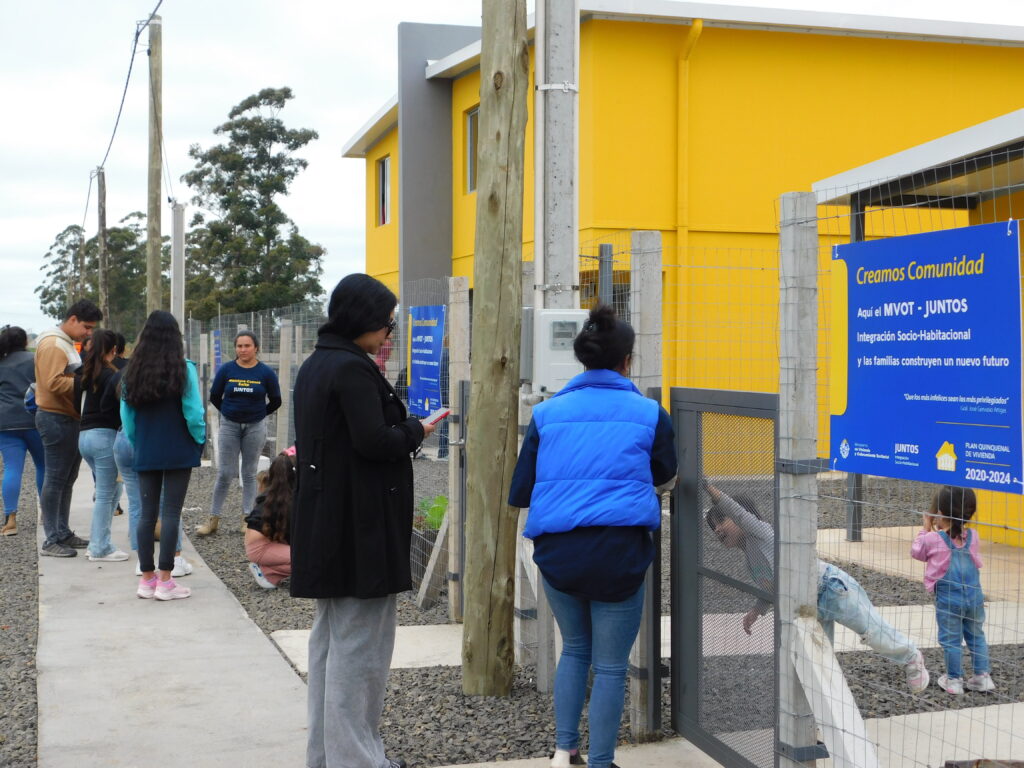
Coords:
173,483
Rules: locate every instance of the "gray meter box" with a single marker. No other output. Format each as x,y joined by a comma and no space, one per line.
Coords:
554,361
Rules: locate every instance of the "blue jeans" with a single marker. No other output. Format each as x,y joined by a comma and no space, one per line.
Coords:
59,434
124,455
600,635
961,621
960,611
841,599
13,445
97,448
235,438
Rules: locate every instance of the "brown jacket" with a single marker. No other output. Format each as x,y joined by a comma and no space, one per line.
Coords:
56,363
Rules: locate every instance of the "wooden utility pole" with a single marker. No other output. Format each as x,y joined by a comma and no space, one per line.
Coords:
487,647
153,229
103,266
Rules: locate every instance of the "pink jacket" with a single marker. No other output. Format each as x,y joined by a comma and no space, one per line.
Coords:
929,547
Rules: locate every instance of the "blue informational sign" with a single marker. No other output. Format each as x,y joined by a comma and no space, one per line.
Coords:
426,344
217,359
926,380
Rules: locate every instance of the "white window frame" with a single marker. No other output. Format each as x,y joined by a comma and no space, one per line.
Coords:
472,139
383,203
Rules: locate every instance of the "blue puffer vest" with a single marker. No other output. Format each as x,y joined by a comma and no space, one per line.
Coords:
594,460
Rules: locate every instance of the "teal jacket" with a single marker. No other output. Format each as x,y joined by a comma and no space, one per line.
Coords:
169,433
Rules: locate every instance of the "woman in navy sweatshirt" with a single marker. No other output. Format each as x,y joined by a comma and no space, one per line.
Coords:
245,391
593,460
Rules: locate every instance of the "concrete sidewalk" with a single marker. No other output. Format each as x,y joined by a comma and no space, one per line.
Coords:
129,682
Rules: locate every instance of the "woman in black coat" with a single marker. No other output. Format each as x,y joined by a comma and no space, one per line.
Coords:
352,521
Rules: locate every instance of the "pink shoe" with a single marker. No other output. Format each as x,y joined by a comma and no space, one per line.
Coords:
170,590
146,589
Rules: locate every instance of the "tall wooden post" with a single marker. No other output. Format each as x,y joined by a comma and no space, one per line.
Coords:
488,650
103,266
153,229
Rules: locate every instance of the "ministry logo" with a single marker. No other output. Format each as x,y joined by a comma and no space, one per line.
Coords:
844,449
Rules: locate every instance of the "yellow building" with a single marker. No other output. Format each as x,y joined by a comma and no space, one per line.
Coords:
690,127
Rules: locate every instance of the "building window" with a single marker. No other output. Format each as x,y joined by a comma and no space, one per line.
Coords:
384,190
472,131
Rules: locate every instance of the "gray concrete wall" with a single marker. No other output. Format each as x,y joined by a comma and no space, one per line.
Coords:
425,150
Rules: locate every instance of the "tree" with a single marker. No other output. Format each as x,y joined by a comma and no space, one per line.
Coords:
59,287
126,248
245,254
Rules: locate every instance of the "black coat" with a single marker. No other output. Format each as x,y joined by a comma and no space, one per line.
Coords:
352,519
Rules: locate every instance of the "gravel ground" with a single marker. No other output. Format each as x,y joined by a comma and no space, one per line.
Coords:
19,623
427,719
887,502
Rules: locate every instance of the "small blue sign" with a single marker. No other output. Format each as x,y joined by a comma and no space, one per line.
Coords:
217,359
426,343
930,326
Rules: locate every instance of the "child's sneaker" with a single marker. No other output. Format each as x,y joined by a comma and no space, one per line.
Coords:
169,590
263,581
146,589
917,673
982,683
952,685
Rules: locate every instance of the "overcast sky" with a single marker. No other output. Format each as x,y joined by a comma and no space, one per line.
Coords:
63,65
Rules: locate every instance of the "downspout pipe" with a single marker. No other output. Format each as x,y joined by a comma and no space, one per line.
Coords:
683,191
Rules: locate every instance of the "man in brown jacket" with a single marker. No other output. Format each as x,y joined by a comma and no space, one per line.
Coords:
57,360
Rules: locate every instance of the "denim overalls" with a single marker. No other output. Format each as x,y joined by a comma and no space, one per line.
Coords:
960,610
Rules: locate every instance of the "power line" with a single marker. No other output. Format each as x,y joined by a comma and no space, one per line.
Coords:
124,93
88,196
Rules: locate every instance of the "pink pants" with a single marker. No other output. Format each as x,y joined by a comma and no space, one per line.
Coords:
273,558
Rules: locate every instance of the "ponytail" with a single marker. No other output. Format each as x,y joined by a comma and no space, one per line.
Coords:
957,505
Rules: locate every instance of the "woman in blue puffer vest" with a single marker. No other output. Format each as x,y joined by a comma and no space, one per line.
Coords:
593,461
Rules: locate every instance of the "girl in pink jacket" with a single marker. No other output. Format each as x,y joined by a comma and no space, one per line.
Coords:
950,553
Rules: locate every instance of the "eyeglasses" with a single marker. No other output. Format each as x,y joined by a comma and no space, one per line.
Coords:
392,324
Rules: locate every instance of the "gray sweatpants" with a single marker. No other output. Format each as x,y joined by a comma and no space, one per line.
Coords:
349,657
234,439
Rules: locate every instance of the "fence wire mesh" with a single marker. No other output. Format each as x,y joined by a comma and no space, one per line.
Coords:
866,525
211,343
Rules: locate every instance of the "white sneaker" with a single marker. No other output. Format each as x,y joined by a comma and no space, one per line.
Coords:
952,685
114,557
917,673
170,590
182,567
982,683
257,573
138,568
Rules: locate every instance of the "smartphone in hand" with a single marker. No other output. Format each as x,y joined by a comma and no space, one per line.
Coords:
435,416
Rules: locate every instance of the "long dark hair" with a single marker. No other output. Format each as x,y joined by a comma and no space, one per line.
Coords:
103,341
278,489
957,505
605,341
716,512
12,339
156,368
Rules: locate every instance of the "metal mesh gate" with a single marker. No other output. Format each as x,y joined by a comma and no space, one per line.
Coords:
724,678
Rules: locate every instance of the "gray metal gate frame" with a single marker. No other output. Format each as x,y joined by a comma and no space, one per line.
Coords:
686,405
